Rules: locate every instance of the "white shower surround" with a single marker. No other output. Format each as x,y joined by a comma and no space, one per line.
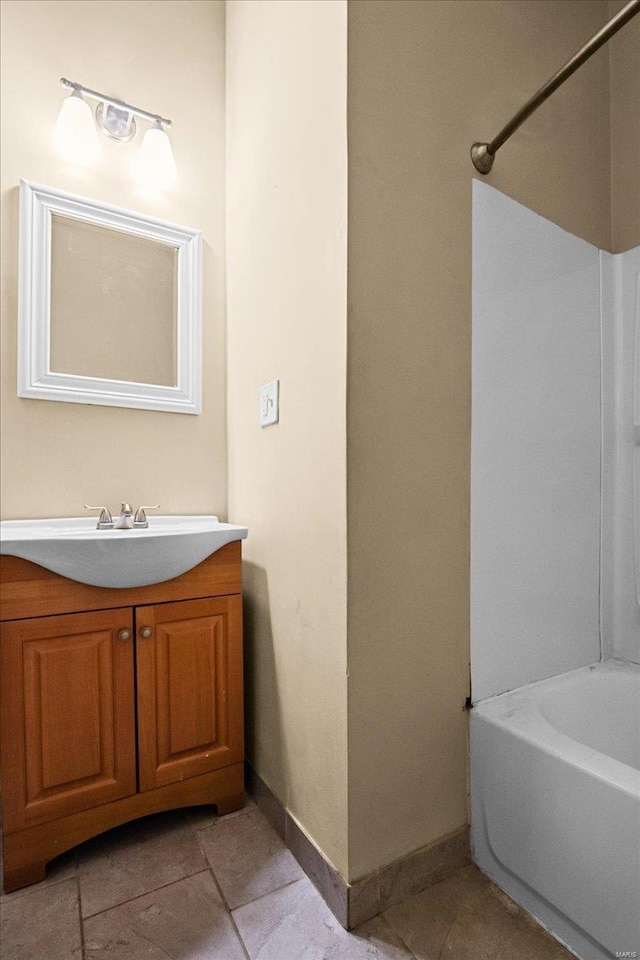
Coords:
555,552
555,462
535,448
620,609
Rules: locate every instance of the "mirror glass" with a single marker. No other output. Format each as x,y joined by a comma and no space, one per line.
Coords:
113,304
109,305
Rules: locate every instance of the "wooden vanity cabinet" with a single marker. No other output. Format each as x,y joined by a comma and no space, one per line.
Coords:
115,704
186,682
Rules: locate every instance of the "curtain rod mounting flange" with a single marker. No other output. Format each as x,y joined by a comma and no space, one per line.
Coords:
482,159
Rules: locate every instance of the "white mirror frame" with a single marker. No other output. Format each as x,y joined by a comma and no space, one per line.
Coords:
35,378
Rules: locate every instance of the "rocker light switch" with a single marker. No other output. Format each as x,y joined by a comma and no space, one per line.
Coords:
269,403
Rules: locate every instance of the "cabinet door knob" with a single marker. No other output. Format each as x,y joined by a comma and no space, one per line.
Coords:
145,632
124,635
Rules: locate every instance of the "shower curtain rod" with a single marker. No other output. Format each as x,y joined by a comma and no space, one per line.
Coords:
483,154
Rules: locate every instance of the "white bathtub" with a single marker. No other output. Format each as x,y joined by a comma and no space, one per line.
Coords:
555,801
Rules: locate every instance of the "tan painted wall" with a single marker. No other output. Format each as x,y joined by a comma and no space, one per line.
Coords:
287,215
624,53
167,57
426,79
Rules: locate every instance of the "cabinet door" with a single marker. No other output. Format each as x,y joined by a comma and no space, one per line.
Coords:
68,724
189,668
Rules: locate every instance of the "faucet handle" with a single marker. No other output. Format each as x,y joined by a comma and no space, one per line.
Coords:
105,520
140,519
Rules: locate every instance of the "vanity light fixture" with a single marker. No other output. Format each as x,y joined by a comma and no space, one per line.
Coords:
154,165
75,134
77,140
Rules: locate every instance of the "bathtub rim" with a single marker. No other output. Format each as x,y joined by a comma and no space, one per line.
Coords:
518,711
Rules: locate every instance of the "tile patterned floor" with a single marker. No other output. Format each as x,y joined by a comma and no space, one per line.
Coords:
188,885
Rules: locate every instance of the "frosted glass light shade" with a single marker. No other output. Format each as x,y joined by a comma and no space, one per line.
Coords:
75,134
154,164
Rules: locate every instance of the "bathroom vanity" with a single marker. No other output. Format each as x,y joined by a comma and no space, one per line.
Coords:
116,703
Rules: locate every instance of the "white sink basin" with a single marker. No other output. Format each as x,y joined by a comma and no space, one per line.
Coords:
74,548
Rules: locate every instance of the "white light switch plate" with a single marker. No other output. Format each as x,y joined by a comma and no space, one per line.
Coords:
269,403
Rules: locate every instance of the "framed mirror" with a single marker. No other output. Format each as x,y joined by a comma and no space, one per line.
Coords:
109,305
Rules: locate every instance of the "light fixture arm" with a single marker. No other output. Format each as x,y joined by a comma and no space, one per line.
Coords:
120,104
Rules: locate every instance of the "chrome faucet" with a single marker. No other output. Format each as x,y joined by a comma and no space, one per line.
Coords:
124,521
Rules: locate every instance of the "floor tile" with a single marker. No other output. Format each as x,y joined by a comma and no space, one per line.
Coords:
205,816
42,924
412,874
137,858
467,918
62,868
490,926
425,919
248,857
184,921
294,923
